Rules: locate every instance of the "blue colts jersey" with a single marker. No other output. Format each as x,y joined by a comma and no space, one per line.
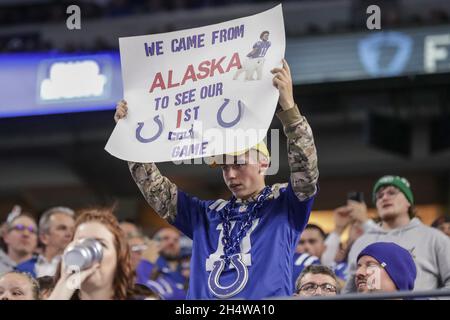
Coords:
261,49
267,250
169,284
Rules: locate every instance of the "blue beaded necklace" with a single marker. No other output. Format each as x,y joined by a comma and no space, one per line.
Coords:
231,245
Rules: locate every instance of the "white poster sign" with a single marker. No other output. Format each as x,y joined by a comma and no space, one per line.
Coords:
199,92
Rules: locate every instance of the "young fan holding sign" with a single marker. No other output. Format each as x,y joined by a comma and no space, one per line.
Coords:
243,247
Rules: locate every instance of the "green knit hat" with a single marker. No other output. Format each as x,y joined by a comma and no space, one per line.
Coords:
399,182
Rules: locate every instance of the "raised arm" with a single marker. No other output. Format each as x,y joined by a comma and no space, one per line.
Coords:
158,191
302,154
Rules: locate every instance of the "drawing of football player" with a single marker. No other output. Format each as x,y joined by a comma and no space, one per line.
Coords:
255,61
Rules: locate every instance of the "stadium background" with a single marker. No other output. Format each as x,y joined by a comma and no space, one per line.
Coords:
370,116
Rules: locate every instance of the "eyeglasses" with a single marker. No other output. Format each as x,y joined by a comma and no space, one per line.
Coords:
311,288
22,227
390,192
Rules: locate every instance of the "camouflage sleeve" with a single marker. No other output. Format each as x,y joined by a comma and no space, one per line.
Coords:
158,191
302,155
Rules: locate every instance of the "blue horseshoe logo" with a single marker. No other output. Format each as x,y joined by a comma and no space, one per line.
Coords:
147,140
220,291
224,124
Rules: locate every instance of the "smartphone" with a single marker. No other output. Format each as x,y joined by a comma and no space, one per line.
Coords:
356,196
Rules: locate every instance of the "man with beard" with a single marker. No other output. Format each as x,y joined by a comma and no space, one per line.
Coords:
160,268
385,267
429,247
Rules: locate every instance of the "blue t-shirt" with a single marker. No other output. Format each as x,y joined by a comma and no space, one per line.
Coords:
268,247
169,284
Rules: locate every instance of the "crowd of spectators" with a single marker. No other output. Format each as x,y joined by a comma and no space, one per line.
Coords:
396,253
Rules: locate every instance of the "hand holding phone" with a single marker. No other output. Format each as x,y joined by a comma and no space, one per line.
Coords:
357,206
355,196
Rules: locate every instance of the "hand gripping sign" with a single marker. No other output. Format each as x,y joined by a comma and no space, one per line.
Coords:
199,92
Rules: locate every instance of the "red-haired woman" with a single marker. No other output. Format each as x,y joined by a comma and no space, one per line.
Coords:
112,277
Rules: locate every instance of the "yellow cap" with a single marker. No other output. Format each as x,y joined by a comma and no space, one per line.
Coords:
261,147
